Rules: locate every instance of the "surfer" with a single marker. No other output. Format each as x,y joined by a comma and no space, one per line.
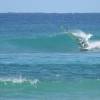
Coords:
82,42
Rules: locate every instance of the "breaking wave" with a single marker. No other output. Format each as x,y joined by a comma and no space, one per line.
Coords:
66,41
84,40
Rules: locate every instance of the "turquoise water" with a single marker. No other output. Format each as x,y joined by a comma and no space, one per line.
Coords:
40,61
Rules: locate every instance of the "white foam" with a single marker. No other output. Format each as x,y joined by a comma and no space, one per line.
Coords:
19,80
94,45
84,40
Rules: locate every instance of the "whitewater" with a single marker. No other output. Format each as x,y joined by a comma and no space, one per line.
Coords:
84,40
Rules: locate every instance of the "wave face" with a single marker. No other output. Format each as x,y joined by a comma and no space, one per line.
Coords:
55,43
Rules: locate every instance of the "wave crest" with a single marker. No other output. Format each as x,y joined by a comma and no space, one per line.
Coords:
84,40
19,81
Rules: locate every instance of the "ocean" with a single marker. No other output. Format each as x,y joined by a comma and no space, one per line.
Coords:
49,56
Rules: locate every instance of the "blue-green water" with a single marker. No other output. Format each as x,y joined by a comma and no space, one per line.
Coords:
40,61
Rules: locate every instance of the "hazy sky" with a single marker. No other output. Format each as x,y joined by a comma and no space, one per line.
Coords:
53,6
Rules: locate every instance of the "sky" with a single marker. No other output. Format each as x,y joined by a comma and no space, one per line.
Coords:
50,6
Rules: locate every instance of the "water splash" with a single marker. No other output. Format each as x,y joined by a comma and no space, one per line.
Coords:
84,40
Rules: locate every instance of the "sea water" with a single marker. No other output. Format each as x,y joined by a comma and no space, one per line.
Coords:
39,60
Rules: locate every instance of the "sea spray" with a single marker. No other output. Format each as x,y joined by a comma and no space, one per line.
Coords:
83,39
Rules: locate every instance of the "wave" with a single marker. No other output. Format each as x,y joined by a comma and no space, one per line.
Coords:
22,84
66,41
58,42
10,90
